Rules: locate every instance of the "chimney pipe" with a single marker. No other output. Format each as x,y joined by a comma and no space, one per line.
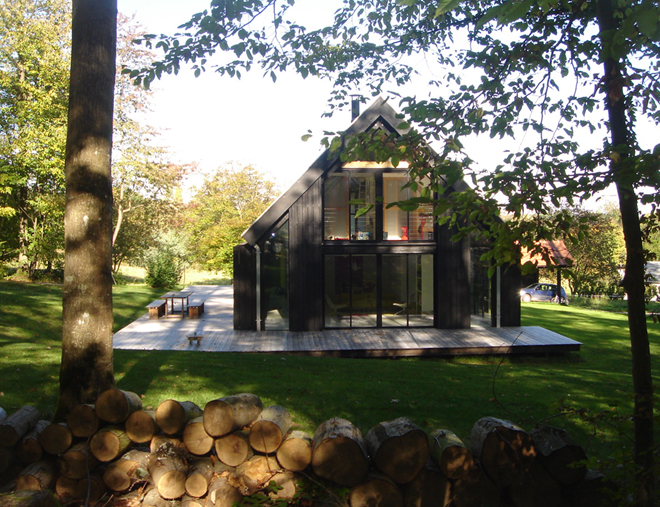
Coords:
355,106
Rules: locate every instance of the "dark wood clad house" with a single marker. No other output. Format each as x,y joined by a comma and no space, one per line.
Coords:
309,263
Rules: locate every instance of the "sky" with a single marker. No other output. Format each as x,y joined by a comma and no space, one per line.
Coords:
214,120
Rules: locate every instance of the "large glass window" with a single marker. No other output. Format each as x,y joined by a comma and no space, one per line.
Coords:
348,193
345,194
404,225
275,279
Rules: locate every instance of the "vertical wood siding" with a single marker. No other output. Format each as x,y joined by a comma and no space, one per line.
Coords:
306,261
452,281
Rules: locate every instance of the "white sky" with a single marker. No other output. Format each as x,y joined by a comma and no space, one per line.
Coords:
216,119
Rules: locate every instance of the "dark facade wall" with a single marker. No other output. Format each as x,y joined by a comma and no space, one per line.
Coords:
510,280
452,281
306,261
245,300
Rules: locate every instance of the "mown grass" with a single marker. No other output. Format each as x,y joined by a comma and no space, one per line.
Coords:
450,393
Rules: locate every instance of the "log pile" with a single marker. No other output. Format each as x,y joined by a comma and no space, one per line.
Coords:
116,453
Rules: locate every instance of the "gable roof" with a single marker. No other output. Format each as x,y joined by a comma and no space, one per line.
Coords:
556,250
380,112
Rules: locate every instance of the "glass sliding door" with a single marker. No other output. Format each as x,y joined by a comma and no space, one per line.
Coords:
364,284
389,290
420,285
337,291
395,291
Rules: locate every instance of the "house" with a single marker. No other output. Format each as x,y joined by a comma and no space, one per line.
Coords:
311,262
558,255
652,270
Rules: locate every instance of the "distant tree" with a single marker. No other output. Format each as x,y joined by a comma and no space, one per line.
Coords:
224,205
595,240
87,360
146,184
34,67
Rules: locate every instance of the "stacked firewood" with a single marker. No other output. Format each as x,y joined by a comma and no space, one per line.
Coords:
181,454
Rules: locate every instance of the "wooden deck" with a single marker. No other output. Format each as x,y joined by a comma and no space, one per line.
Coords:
216,326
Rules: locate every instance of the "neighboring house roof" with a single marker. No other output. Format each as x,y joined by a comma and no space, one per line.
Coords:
653,272
379,114
556,250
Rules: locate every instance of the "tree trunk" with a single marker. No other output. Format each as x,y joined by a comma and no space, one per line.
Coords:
295,453
90,489
190,501
115,406
82,421
559,455
269,430
475,488
233,449
398,448
172,416
17,425
78,461
428,489
254,474
56,438
231,413
27,498
153,499
109,443
535,488
504,450
197,441
86,369
199,478
339,453
162,444
38,476
378,490
141,426
450,453
169,472
128,470
65,488
287,486
223,494
620,166
29,449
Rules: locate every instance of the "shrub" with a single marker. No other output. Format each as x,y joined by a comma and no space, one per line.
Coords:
165,262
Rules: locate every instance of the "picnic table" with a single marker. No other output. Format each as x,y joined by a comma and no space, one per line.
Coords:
171,298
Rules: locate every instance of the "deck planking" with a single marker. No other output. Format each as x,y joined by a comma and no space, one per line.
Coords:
216,326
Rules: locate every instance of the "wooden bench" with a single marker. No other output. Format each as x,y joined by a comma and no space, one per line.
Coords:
156,309
194,338
196,308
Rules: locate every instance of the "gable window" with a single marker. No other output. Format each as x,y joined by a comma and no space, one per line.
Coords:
345,194
348,193
399,224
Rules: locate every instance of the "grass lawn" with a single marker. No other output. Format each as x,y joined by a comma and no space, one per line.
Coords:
449,393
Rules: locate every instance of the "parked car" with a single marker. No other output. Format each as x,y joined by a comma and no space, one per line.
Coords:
543,292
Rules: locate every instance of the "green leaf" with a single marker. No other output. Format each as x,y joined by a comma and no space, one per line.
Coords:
445,6
648,22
